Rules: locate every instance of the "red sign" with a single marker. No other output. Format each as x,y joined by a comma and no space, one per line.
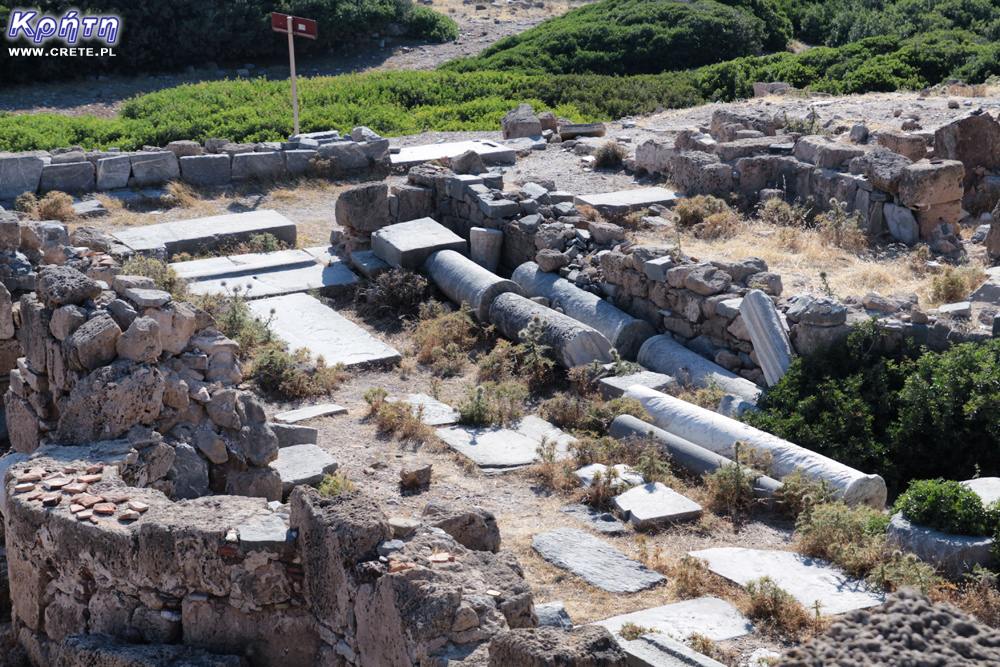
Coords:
300,27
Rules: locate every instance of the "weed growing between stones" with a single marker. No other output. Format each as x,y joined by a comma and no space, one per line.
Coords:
800,492
842,229
693,211
956,283
335,485
775,609
690,578
704,397
586,379
707,647
443,338
528,361
588,414
630,631
610,155
397,418
602,491
163,275
493,404
53,205
780,213
730,488
396,293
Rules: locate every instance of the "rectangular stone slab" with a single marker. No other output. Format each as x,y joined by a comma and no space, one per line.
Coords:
491,153
310,412
808,580
498,449
657,650
302,464
655,503
615,386
595,561
304,322
236,265
435,413
625,200
602,522
266,274
408,244
204,234
714,618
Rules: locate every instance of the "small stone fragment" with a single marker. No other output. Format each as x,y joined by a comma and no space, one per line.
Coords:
116,497
85,514
95,468
104,508
56,483
89,479
137,506
76,509
24,488
51,498
76,487
88,500
129,515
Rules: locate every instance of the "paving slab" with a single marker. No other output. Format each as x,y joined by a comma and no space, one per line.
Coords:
654,503
657,650
497,449
302,464
602,522
205,234
367,264
261,275
714,618
304,322
290,435
435,413
808,580
491,152
265,532
615,386
624,201
408,244
595,561
310,412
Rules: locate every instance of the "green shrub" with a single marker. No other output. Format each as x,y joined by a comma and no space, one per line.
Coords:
948,506
425,23
956,284
396,418
293,375
396,293
583,414
693,211
493,404
163,275
335,485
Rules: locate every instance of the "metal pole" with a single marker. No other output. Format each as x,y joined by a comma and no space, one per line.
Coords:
291,59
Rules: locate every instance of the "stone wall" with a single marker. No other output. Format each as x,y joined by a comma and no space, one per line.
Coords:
217,162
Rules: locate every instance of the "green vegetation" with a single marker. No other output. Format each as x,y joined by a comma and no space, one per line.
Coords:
158,36
948,506
902,413
335,484
776,608
628,37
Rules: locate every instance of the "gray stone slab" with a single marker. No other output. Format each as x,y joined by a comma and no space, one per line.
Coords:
602,522
988,292
655,503
290,435
264,166
92,208
241,265
808,580
310,412
367,264
595,561
113,172
492,449
625,200
538,429
553,615
304,322
147,298
154,168
206,170
492,153
297,161
657,650
302,464
70,177
265,533
435,413
328,280
205,234
408,244
711,617
615,386
987,488
19,174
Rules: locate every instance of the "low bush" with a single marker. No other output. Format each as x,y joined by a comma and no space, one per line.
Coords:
693,211
163,275
730,487
397,418
780,213
396,293
956,284
586,379
775,608
690,578
443,338
425,23
948,506
844,230
293,375
53,205
610,155
800,492
629,631
493,404
335,485
593,415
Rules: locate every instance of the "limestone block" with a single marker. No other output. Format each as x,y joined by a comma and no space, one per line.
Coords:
154,168
206,170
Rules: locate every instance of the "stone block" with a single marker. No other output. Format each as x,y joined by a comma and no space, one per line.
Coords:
587,646
709,617
948,214
912,146
302,464
654,503
71,177
19,174
113,172
154,168
625,201
408,244
520,122
595,561
268,166
364,208
901,223
206,170
204,234
924,184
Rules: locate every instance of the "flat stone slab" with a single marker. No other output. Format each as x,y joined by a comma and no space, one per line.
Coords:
602,522
310,412
435,413
714,618
261,275
655,503
499,449
491,152
657,650
203,234
266,533
615,386
302,464
624,201
808,580
304,322
595,561
408,244
367,264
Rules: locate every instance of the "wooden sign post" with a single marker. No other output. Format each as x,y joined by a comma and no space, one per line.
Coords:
294,26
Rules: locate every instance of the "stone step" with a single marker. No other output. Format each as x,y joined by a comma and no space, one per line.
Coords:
302,464
492,153
304,322
201,235
657,650
624,201
266,274
595,561
711,617
808,580
310,412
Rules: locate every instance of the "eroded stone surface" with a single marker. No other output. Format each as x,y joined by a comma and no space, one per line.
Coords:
596,562
714,618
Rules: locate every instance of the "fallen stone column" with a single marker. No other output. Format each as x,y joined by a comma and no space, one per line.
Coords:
464,281
626,333
665,355
689,456
572,343
485,246
769,338
717,433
